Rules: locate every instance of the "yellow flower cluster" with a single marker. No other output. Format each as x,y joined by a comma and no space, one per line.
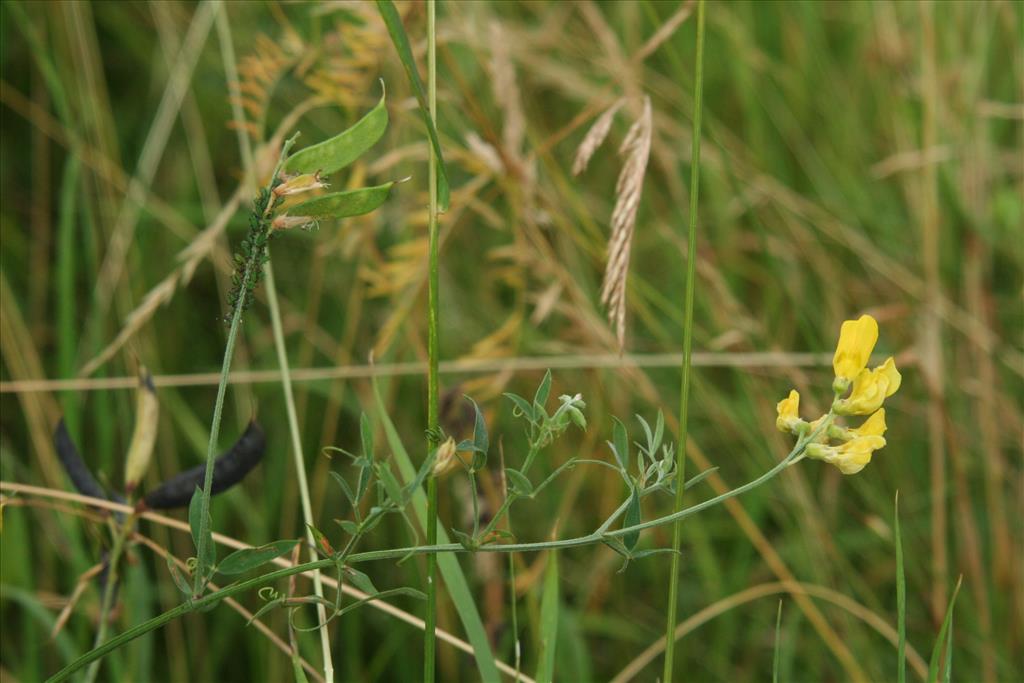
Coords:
870,387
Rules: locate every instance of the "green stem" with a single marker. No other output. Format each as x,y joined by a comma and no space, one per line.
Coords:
300,467
229,351
113,564
430,550
433,401
691,261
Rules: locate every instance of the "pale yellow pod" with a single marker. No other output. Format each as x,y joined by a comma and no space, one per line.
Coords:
147,415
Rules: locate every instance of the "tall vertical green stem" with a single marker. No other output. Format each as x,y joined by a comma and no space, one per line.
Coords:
248,275
300,466
429,640
684,405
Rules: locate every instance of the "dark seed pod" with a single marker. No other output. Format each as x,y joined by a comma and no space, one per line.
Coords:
228,469
77,470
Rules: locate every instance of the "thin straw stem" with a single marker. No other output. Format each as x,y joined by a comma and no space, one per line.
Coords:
300,466
684,405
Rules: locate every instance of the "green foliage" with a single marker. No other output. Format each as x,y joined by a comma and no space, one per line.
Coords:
336,153
401,42
247,559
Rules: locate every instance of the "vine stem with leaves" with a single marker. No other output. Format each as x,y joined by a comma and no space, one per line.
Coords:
599,536
253,263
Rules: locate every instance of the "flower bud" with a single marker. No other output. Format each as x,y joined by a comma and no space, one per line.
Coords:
299,184
445,457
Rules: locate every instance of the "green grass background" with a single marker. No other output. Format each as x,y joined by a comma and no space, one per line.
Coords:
857,157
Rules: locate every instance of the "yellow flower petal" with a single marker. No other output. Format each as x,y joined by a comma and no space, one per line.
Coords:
888,368
856,341
852,456
789,412
870,389
873,426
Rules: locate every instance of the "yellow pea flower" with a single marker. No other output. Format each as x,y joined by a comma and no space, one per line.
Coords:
873,426
788,409
856,341
850,457
870,388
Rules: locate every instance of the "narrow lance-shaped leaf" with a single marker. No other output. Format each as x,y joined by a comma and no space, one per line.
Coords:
481,441
246,559
520,483
632,518
620,444
540,398
943,642
195,514
549,608
401,41
338,152
343,204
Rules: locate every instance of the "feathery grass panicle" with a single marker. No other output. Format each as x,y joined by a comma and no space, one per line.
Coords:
636,148
595,137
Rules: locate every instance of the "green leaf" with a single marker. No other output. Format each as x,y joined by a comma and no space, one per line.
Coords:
540,399
620,444
323,546
421,475
523,405
944,641
343,204
659,431
401,41
365,474
451,572
366,435
195,511
901,597
338,152
775,655
520,483
243,560
179,578
345,488
348,526
391,485
632,517
360,581
650,447
549,608
481,442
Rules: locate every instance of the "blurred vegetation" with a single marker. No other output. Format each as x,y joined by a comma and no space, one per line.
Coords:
857,157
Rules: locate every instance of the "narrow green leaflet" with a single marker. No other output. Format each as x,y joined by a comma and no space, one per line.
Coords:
944,642
451,572
632,518
246,559
549,608
775,654
344,204
401,41
338,152
195,508
620,444
520,483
